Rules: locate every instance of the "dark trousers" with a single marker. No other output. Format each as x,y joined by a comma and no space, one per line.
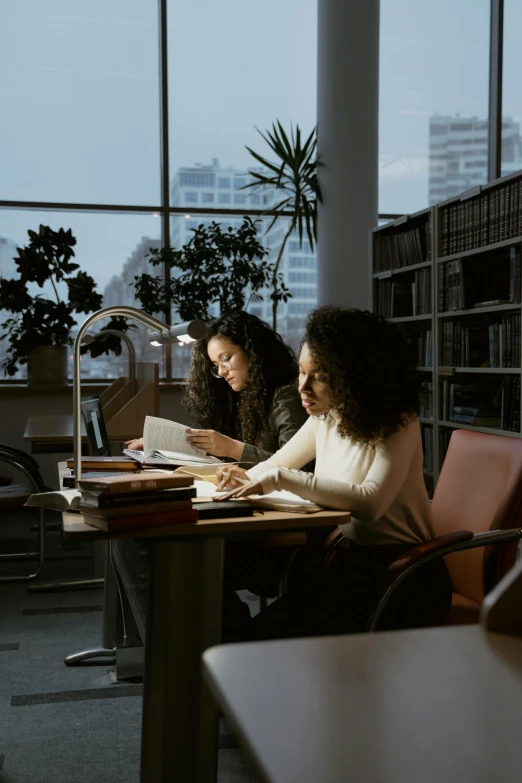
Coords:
336,599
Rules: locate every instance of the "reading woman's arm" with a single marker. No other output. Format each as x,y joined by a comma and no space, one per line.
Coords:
299,450
287,416
367,501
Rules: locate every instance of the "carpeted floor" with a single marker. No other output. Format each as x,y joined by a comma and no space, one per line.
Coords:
61,723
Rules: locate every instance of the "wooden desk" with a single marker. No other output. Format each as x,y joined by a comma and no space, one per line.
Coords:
433,705
183,618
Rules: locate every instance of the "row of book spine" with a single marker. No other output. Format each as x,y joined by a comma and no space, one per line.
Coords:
424,341
426,400
490,217
495,345
427,443
510,404
405,298
403,248
461,285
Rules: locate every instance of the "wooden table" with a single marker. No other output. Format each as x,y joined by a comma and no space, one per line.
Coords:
433,705
183,618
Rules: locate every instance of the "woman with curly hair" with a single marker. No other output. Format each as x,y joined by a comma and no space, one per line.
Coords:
358,385
242,391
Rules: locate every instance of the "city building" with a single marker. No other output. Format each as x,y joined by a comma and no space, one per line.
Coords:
216,187
458,153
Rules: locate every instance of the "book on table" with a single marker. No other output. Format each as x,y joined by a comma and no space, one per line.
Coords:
141,521
164,443
117,490
97,463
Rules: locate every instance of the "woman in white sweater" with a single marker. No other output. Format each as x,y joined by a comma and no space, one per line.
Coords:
359,387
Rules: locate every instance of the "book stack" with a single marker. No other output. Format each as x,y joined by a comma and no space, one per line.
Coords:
94,467
118,503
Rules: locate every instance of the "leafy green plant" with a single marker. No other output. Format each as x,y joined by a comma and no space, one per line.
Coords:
294,178
40,321
216,266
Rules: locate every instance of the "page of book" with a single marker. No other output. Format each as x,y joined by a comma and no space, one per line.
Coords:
164,435
63,500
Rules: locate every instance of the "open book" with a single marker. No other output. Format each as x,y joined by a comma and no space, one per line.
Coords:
164,443
282,500
63,500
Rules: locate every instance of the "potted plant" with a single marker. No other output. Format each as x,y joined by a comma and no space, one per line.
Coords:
219,267
39,329
294,178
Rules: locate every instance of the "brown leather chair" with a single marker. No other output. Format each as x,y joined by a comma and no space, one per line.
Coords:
477,511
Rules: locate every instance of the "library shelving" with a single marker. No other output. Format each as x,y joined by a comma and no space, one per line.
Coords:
450,276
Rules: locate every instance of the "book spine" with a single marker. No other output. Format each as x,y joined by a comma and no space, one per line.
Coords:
120,512
136,485
143,521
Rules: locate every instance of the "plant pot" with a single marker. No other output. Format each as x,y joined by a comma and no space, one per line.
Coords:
47,366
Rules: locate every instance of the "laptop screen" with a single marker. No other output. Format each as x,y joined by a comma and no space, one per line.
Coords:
95,427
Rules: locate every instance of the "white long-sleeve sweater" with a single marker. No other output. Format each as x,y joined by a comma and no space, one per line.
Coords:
382,486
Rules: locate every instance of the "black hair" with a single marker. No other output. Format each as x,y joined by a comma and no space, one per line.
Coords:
368,368
271,364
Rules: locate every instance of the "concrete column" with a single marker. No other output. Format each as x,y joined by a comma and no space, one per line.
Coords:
347,116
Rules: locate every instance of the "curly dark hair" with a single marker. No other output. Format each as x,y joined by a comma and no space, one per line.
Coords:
271,364
369,371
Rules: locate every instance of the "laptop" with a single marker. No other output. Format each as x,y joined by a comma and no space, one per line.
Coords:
97,439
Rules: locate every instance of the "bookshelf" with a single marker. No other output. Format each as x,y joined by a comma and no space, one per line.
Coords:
450,276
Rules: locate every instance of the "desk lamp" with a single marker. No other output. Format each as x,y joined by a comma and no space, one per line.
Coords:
89,338
162,334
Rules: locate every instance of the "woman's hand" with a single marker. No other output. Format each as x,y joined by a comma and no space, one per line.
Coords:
252,488
230,477
135,445
214,443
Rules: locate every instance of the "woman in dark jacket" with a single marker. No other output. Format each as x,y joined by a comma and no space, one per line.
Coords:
242,391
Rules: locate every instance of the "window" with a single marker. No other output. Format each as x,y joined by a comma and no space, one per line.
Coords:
239,199
224,198
255,200
427,103
207,198
224,182
91,79
191,197
302,262
111,247
239,183
305,293
196,179
302,277
511,98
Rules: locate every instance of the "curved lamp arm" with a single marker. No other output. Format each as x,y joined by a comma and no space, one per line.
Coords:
130,345
130,312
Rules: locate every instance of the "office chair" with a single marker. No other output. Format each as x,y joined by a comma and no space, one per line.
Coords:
477,510
25,464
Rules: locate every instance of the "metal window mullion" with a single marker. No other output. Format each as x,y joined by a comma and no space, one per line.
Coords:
496,46
164,163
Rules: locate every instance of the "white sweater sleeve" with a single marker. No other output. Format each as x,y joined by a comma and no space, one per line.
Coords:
367,501
296,452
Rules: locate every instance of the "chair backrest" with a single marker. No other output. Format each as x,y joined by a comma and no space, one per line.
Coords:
479,489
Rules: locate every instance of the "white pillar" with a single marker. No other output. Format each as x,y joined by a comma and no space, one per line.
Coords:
347,117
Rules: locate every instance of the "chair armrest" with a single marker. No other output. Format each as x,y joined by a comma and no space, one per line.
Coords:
420,551
468,541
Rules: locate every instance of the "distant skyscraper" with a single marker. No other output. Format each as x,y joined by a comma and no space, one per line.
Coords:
459,154
220,188
8,270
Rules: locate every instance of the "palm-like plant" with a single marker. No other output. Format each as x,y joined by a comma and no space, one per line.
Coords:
294,175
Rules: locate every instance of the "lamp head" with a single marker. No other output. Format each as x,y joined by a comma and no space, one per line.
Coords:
187,332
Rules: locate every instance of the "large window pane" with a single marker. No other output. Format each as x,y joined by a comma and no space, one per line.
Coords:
80,102
112,248
434,62
512,97
235,66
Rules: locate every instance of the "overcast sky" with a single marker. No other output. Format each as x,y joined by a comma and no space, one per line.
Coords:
79,97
